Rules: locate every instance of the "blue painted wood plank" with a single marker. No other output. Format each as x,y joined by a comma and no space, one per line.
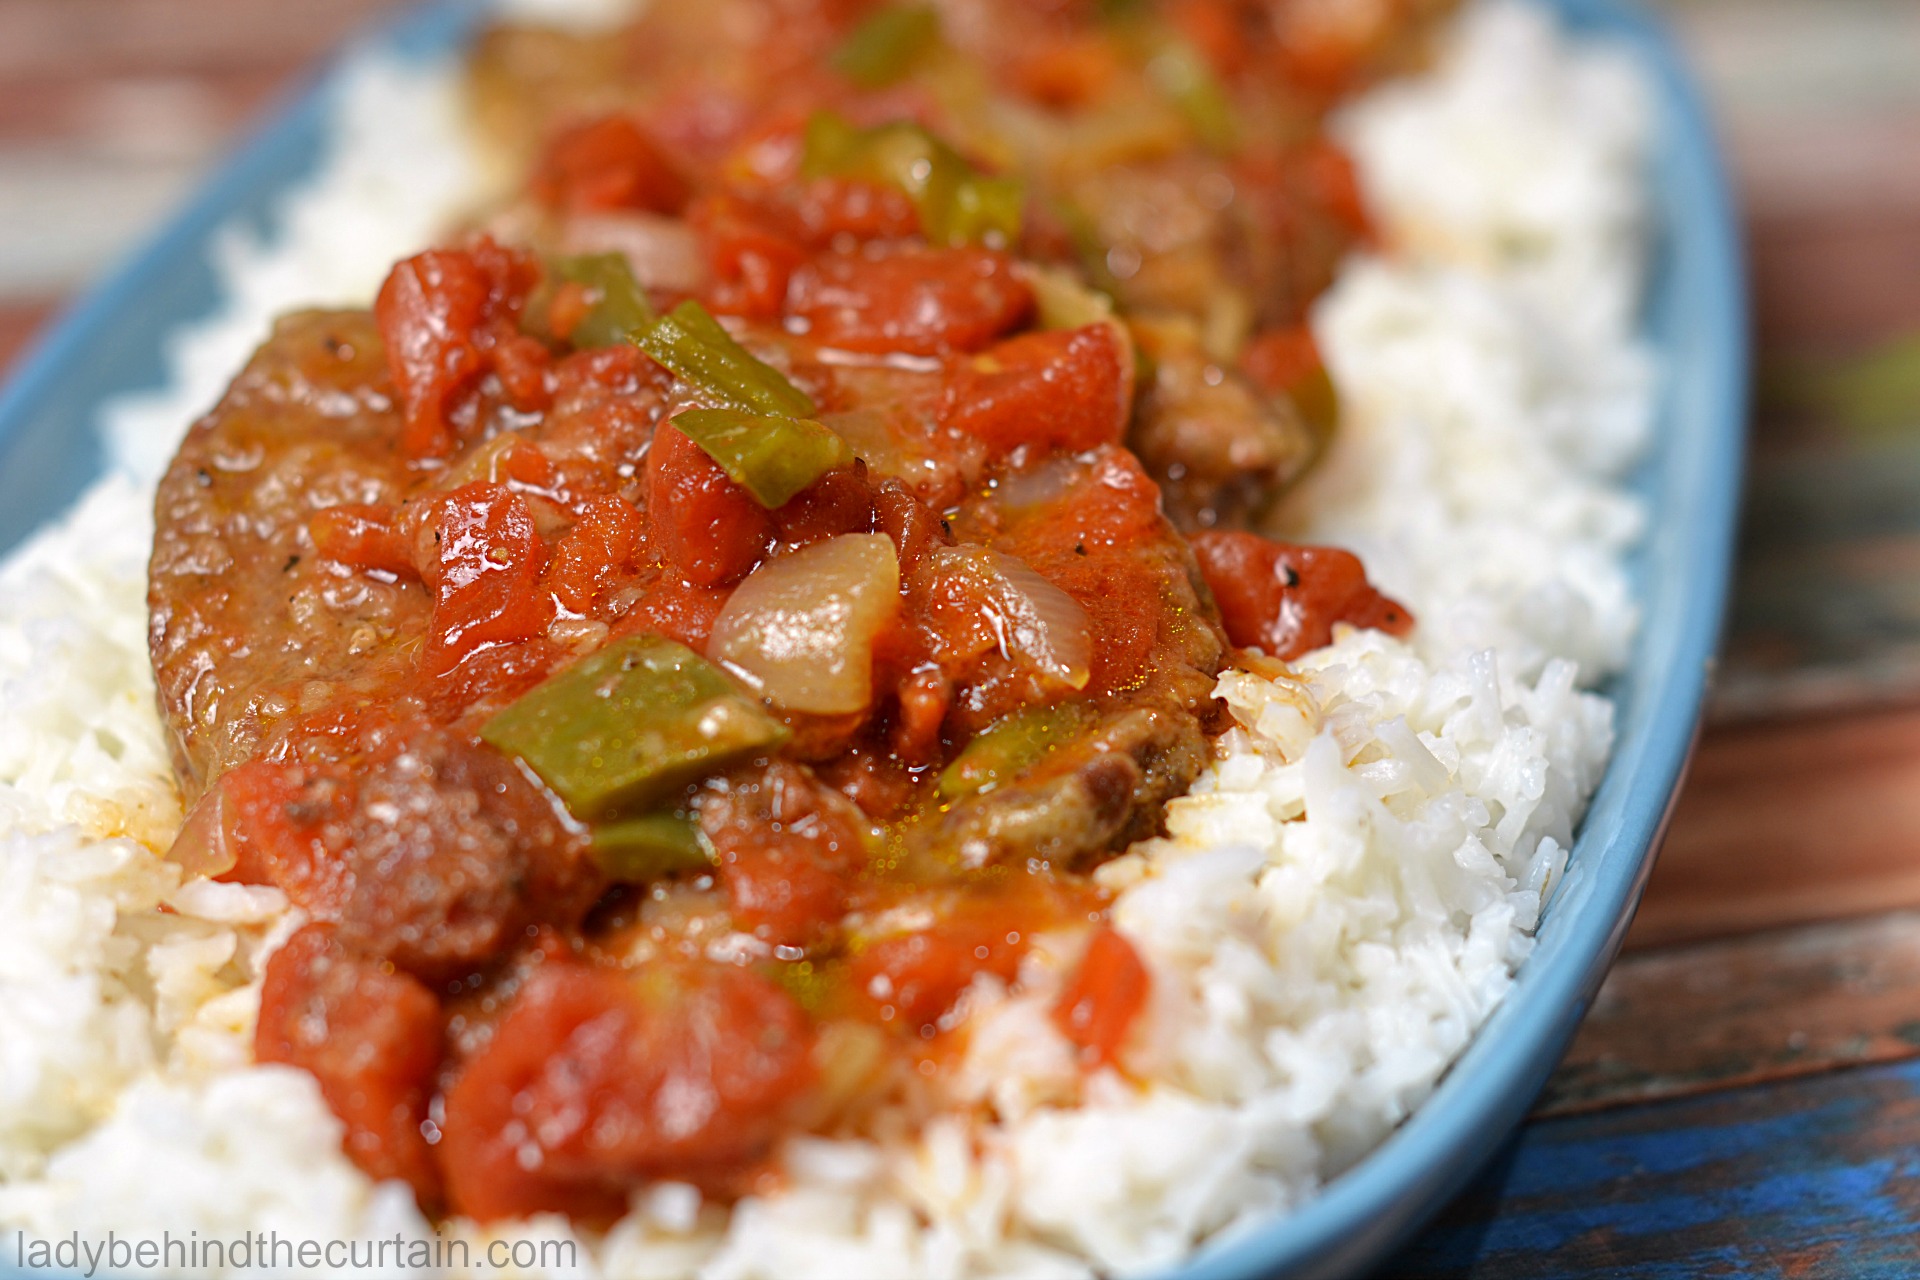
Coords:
1813,1177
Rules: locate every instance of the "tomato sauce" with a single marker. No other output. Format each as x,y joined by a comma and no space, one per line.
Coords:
627,846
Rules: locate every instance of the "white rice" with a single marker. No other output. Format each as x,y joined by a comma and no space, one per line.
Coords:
1341,903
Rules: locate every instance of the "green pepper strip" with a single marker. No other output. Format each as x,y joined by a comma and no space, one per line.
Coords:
1319,404
1011,747
622,310
629,726
651,847
771,457
693,345
958,204
1182,73
884,48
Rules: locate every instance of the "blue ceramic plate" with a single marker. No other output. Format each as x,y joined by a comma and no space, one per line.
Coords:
1696,319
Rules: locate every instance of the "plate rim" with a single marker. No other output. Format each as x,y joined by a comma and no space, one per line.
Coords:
1367,1212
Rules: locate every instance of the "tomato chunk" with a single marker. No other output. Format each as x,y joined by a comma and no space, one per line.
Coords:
277,815
598,1079
906,298
593,554
1070,390
676,609
1282,359
608,163
751,260
841,501
1086,539
789,850
1107,992
487,589
708,527
1286,599
362,536
371,1037
916,977
441,314
827,208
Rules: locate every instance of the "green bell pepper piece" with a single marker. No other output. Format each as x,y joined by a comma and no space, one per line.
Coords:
627,727
884,48
958,205
771,457
1010,747
1181,72
692,343
651,847
623,309
1318,402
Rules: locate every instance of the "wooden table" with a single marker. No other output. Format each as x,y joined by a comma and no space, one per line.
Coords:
1744,1099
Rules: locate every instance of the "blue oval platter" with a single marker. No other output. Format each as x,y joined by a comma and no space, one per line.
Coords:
114,342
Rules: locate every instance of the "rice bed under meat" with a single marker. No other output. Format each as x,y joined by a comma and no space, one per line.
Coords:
1342,901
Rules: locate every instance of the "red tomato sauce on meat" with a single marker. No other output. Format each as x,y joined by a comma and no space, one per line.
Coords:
688,635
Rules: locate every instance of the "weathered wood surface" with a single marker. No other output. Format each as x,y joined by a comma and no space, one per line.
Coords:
1735,1011
1816,1178
1791,821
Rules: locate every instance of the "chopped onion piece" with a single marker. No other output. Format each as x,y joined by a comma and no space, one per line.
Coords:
1036,623
204,846
663,253
801,628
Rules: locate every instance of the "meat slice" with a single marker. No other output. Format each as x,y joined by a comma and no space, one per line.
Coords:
1088,799
249,627
1092,525
433,852
1219,446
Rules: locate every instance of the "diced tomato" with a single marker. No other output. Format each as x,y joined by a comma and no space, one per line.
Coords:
593,554
828,208
371,1036
1069,390
1282,359
1285,599
925,697
908,298
524,463
749,258
788,849
522,361
916,977
678,610
1066,70
362,536
441,314
277,815
599,1079
1105,995
708,528
1215,29
913,526
600,371
1086,540
841,501
1331,181
1324,49
428,310
494,675
608,163
487,589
